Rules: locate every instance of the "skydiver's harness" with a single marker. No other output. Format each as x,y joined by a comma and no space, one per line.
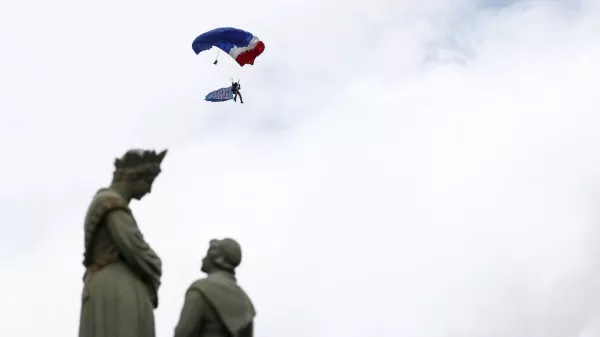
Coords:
235,90
235,87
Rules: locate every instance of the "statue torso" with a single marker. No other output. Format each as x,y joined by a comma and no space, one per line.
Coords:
227,307
99,247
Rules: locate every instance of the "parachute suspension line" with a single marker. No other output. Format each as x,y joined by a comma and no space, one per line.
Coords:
217,58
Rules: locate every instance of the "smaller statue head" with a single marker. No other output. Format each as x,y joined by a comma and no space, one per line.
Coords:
225,254
137,170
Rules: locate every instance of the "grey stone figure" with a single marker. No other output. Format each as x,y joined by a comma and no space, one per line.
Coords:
122,276
216,306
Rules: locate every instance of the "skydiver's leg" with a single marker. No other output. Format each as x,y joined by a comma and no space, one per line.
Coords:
234,95
241,100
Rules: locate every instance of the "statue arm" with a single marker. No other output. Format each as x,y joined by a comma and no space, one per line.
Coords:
190,319
134,249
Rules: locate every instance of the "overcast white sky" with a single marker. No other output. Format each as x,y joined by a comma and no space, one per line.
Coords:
399,167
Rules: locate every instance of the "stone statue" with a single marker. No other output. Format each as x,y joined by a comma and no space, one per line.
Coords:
123,273
216,306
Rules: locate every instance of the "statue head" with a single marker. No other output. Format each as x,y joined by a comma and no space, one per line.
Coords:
225,254
136,170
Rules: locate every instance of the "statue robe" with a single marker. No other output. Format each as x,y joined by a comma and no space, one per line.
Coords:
216,306
122,274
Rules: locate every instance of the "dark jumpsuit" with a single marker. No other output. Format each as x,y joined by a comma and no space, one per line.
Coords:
235,88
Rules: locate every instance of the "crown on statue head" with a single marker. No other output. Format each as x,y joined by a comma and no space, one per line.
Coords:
144,162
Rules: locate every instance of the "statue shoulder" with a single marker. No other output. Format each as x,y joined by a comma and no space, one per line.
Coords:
199,285
231,303
104,202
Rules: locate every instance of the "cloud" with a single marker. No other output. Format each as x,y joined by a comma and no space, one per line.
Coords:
403,168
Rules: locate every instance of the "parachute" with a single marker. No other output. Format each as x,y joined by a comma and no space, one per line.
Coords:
241,45
220,95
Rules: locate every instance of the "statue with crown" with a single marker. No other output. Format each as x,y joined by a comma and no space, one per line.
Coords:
122,271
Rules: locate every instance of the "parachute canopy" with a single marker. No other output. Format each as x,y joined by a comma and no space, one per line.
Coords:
220,95
242,46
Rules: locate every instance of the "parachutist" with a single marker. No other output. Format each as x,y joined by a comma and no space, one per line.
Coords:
215,62
235,88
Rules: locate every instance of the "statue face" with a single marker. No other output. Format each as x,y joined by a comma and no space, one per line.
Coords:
206,263
141,187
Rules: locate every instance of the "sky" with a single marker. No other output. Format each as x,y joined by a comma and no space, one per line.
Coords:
399,167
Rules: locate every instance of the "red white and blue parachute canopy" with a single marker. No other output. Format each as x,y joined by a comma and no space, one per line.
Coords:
242,46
